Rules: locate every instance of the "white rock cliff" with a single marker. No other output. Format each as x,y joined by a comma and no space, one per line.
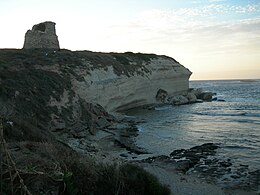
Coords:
115,81
57,87
119,92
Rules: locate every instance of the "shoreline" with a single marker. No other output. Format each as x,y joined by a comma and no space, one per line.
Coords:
114,144
178,181
185,184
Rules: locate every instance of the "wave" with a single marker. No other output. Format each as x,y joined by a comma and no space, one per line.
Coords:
165,107
240,147
246,121
249,81
229,114
248,108
140,129
253,114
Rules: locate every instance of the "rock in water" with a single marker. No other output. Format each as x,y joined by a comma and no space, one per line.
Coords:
192,97
206,96
42,35
179,100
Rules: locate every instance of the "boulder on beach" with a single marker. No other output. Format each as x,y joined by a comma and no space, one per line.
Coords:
179,100
192,97
202,95
206,96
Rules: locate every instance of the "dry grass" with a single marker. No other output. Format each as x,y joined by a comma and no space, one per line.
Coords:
8,167
34,162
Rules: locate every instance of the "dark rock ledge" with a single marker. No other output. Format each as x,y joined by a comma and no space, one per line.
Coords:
200,161
185,159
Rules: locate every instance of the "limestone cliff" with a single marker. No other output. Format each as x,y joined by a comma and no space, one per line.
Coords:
115,81
56,87
126,88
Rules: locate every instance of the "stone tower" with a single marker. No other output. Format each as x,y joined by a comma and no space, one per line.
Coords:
42,35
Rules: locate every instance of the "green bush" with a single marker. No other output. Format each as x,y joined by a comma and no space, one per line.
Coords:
128,179
138,181
71,188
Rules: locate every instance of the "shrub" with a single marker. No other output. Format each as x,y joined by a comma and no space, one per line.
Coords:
128,179
138,181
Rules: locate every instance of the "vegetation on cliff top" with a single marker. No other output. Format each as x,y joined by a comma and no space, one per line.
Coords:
30,78
127,63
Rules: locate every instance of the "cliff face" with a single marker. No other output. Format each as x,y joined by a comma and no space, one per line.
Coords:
57,87
123,91
115,81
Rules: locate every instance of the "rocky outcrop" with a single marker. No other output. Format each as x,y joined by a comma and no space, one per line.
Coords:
58,88
71,92
125,90
187,97
115,81
185,159
203,161
42,35
202,95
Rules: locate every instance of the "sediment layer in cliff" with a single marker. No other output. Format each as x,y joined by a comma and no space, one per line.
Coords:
59,86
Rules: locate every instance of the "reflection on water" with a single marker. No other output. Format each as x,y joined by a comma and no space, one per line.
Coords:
234,124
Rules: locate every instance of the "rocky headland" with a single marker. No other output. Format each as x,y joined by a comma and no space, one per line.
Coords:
62,125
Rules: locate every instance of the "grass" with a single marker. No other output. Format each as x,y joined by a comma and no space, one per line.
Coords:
31,90
127,63
45,167
138,181
45,57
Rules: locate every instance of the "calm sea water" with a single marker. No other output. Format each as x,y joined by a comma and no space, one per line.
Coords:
234,124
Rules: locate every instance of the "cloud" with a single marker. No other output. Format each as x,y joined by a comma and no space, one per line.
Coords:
205,37
246,9
216,1
194,29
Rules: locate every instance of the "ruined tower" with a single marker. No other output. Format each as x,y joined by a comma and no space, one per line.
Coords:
42,35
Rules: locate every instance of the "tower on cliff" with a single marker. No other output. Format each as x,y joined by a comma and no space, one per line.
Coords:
42,35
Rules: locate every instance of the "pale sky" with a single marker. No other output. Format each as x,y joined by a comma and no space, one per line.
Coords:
215,39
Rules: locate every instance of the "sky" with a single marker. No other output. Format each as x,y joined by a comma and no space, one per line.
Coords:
215,39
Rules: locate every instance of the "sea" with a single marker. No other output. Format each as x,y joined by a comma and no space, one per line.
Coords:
233,122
